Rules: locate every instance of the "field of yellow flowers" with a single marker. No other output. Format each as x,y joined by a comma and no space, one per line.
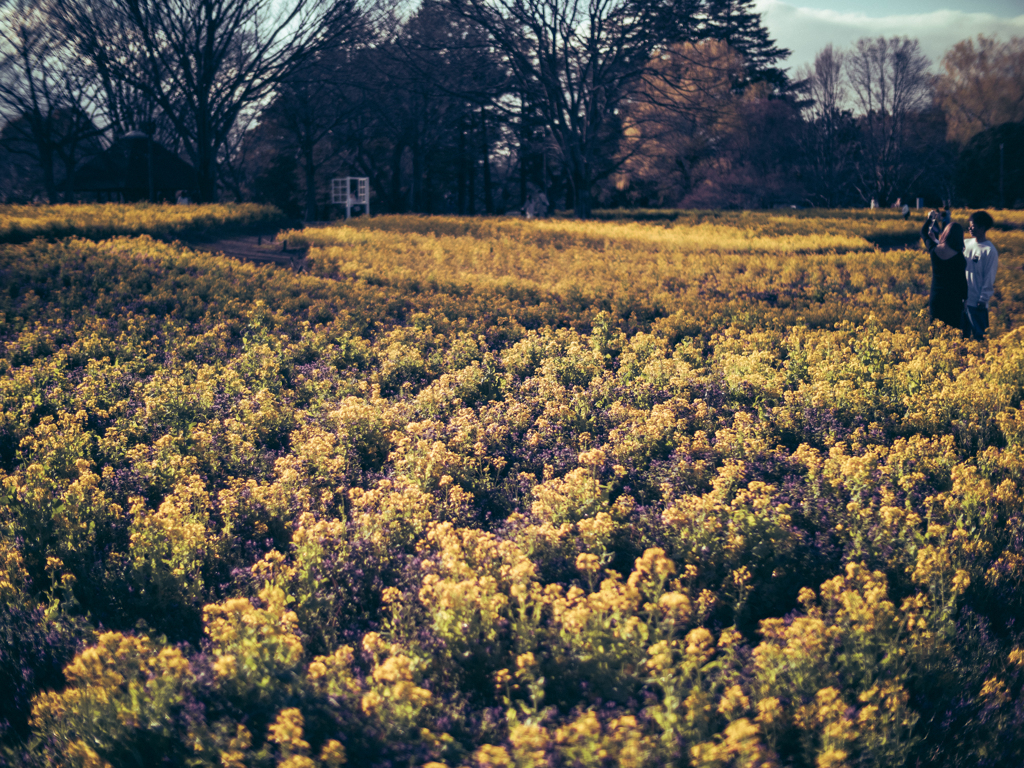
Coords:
699,490
21,223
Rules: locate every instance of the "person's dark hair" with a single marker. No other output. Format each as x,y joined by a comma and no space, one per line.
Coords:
982,220
953,237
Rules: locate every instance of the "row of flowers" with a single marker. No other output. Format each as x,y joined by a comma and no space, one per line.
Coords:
742,269
21,223
254,517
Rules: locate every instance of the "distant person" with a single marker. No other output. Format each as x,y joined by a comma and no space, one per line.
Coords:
949,279
182,197
543,205
905,210
536,204
982,262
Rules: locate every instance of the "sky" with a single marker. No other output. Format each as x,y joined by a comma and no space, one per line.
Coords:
807,26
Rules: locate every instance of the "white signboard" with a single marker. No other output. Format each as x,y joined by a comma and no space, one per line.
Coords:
351,191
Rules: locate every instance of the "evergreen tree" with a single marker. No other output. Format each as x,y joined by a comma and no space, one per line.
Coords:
737,23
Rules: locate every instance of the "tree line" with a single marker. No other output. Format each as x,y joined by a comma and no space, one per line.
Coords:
474,106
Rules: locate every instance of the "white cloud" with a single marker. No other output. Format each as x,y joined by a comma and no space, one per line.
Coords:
805,31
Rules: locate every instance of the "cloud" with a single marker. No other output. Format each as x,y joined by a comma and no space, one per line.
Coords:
805,31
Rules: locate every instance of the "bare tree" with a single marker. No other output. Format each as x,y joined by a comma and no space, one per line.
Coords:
317,97
43,92
890,83
439,53
576,61
982,86
202,62
828,142
676,118
310,105
826,85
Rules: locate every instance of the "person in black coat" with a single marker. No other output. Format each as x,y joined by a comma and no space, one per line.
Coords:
949,279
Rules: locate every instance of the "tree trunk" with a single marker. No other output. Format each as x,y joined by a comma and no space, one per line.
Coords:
581,183
396,177
429,203
488,186
46,161
207,184
582,205
523,160
310,193
462,169
206,170
69,177
416,187
309,169
206,148
471,167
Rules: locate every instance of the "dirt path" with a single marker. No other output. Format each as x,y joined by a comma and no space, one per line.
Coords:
265,249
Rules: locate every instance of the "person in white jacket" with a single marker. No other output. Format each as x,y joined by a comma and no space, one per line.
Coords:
982,263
